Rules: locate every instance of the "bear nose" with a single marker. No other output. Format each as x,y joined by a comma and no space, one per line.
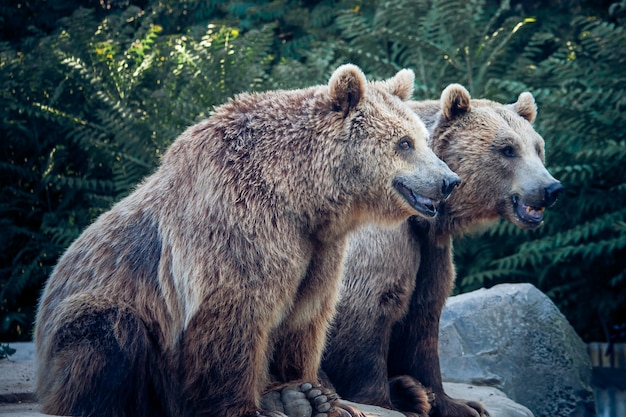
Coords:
448,184
552,192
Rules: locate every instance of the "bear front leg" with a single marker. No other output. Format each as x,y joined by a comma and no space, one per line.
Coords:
224,359
355,357
302,398
414,349
378,279
300,340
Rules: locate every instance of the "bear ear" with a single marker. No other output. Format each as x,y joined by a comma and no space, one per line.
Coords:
401,84
455,101
526,106
347,87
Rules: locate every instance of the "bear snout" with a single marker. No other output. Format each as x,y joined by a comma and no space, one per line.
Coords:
448,184
551,193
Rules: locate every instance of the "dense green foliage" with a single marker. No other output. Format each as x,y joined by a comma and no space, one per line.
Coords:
91,97
86,113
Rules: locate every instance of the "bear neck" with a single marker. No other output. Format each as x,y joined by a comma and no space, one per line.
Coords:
456,219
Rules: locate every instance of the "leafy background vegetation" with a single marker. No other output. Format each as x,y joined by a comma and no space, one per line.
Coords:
93,92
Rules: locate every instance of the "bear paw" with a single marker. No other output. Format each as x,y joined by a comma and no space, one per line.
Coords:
450,407
307,400
410,396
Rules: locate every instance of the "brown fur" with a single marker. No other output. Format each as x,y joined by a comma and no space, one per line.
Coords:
218,275
396,280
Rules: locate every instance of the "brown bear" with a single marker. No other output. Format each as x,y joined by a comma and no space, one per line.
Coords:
384,341
218,276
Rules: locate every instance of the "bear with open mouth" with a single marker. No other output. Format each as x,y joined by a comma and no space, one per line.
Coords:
217,277
383,347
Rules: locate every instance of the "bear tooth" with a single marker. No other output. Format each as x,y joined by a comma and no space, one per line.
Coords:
530,209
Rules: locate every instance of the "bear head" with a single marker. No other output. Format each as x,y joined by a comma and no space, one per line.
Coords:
382,134
498,155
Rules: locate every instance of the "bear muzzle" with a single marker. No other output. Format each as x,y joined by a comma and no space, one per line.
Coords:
530,213
426,206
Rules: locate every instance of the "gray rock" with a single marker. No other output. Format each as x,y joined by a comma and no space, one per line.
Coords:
513,338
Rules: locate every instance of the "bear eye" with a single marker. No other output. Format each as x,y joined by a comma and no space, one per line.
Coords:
508,151
405,144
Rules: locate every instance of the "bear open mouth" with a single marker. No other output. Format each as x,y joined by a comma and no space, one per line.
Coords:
526,213
424,205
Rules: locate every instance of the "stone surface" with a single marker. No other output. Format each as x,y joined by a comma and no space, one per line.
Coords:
513,338
17,377
371,411
17,383
20,410
495,401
